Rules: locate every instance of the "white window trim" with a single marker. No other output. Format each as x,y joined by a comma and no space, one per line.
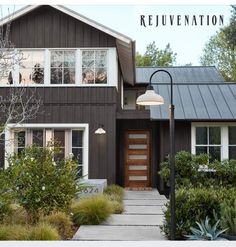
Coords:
9,135
224,136
112,68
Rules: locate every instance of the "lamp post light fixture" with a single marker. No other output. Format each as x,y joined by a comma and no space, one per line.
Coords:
150,97
100,130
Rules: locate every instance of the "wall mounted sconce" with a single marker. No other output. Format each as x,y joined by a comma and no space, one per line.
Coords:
100,130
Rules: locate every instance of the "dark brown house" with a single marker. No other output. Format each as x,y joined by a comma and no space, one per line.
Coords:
85,75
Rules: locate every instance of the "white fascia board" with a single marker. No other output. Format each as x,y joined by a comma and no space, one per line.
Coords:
72,13
48,125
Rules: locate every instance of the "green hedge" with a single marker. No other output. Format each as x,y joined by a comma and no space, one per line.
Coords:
194,204
188,174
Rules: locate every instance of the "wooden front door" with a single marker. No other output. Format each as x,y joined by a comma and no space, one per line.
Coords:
137,159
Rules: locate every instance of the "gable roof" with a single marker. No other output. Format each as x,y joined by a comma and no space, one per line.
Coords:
125,45
200,93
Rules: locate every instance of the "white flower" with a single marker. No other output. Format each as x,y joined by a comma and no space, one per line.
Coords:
71,214
17,188
54,163
43,187
32,159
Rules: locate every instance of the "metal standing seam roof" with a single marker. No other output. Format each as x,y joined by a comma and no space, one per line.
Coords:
192,102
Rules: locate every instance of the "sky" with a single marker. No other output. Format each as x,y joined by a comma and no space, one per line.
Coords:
186,41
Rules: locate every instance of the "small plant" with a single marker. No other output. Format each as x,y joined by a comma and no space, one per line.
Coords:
116,202
43,231
61,222
114,190
17,216
14,232
91,211
206,231
228,217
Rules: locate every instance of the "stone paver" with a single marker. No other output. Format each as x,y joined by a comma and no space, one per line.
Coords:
140,220
153,202
134,220
118,233
143,210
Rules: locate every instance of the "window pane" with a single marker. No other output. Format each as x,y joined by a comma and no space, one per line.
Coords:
6,78
101,76
21,139
201,150
232,135
215,153
59,136
38,138
88,64
26,62
69,59
56,59
232,153
38,74
56,76
101,55
69,76
201,135
88,76
77,138
78,155
87,55
38,58
25,76
214,135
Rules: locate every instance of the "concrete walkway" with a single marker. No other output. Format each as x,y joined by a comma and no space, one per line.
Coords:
140,221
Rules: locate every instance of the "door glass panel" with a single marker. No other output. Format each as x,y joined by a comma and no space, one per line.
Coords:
138,146
137,136
137,168
137,157
137,178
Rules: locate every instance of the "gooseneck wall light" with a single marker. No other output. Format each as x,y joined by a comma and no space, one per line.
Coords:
150,97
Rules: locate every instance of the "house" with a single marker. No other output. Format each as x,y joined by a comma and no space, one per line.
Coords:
88,79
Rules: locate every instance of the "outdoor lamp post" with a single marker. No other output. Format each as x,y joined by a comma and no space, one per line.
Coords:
150,97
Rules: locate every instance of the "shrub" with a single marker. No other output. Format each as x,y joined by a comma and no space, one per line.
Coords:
114,190
187,171
43,231
228,217
91,211
116,202
61,222
193,205
40,184
17,216
6,195
14,232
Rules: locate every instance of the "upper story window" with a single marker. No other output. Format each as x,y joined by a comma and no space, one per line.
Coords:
31,69
94,67
81,67
62,67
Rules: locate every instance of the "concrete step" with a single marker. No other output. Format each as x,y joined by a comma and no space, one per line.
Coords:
143,210
118,233
153,202
143,195
134,220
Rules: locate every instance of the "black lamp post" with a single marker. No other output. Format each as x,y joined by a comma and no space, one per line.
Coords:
151,98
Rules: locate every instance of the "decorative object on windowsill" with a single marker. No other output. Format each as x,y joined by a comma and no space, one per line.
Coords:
100,130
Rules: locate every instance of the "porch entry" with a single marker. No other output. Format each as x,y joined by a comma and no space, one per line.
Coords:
137,159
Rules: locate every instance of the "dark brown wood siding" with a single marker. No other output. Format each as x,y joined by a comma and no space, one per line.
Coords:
92,105
46,27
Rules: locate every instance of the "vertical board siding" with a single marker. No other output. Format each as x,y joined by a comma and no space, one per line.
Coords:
83,105
49,28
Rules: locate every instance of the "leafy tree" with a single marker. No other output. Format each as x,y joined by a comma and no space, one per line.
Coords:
220,50
155,56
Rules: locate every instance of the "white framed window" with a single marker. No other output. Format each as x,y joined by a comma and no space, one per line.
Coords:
216,139
71,138
65,67
62,68
94,67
